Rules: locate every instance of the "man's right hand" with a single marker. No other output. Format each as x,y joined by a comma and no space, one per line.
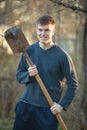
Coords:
32,70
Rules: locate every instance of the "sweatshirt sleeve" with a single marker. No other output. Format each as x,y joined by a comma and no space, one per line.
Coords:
69,73
22,74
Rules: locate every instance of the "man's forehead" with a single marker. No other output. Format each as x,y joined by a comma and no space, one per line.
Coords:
45,26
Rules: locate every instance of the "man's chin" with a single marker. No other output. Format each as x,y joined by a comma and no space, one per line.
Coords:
43,41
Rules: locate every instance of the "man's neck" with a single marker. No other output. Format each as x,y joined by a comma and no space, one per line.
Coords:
46,46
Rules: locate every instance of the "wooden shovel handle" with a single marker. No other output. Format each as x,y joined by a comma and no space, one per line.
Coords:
45,92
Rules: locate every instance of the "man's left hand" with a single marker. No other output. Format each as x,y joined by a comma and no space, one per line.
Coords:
56,108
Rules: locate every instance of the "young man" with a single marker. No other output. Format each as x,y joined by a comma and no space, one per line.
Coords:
53,64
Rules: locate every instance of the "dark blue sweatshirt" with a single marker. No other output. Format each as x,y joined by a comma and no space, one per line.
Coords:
53,65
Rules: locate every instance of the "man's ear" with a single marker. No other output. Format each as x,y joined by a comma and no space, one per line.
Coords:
54,30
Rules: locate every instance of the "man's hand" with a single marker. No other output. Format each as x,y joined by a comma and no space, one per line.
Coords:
56,108
32,70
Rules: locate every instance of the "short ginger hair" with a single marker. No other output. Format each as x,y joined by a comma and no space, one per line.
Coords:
45,20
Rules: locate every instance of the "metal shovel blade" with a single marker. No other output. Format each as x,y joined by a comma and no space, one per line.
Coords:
16,39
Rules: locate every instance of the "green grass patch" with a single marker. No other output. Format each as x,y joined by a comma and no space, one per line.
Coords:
6,124
59,128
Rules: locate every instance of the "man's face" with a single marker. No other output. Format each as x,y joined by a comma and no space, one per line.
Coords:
45,33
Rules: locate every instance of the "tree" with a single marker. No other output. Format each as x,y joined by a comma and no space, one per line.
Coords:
84,60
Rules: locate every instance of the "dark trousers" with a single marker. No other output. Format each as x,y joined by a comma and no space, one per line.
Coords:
29,117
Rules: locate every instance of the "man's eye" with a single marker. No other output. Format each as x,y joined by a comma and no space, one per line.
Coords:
47,30
40,30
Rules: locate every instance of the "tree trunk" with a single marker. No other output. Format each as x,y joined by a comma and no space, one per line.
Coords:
84,99
8,10
8,6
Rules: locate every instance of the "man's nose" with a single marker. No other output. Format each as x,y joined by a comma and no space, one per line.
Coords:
43,32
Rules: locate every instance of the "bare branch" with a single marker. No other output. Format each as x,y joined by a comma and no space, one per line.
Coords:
68,5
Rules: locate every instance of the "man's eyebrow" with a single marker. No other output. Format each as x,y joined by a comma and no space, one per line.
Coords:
43,29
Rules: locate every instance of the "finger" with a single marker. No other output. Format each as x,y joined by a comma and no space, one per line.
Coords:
53,107
54,112
32,69
33,72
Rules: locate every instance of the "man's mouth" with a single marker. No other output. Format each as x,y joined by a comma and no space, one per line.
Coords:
43,37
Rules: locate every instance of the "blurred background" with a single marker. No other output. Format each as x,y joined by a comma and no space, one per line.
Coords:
71,35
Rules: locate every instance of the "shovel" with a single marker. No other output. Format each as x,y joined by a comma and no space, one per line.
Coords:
18,43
